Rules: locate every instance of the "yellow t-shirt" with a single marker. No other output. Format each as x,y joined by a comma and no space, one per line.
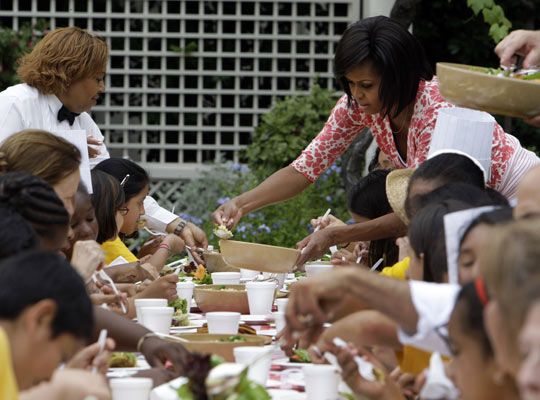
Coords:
398,270
116,248
411,359
8,383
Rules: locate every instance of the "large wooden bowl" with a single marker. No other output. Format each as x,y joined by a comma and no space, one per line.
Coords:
215,263
468,86
258,257
206,343
210,298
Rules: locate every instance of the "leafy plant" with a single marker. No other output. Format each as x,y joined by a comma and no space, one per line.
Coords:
494,16
13,45
287,129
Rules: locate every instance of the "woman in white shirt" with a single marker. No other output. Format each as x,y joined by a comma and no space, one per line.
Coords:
63,78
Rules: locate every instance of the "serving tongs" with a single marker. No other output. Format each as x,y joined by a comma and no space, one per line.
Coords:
516,70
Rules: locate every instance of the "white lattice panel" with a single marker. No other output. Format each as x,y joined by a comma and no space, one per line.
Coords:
188,80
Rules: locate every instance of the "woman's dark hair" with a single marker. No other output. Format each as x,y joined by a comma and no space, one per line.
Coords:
374,163
394,53
459,191
444,169
368,199
50,276
426,236
495,217
120,168
472,320
34,200
17,235
107,198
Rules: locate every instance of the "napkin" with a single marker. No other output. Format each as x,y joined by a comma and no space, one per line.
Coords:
437,385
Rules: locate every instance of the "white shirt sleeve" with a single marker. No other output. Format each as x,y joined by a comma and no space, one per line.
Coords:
157,218
434,303
11,117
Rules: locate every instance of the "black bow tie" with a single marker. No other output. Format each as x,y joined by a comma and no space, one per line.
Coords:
65,114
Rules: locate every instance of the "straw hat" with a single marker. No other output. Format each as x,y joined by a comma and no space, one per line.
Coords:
397,182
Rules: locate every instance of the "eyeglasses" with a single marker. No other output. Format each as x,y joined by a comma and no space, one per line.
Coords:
123,210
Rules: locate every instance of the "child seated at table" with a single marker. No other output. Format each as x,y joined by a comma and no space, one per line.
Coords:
44,319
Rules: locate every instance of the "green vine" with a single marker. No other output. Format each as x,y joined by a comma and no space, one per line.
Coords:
494,16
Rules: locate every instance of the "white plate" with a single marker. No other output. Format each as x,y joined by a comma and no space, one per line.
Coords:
193,316
284,362
125,372
280,394
254,318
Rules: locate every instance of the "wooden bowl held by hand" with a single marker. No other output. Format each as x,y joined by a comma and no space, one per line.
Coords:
258,257
211,298
471,87
215,263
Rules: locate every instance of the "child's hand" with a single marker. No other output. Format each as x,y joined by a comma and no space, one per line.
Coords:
163,287
91,357
69,384
87,257
176,245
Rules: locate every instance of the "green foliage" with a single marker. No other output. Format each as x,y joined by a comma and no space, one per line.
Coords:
287,129
494,16
13,45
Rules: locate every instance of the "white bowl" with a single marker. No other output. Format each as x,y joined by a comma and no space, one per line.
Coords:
226,278
316,269
223,322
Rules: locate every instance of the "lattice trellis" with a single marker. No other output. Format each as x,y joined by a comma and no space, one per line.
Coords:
188,80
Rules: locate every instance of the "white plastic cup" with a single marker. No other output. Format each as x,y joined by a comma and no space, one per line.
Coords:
184,290
147,303
157,319
281,304
279,318
131,388
279,277
260,297
226,278
322,381
258,372
223,322
248,274
316,269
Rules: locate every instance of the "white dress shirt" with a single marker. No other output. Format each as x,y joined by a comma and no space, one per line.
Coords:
434,303
25,107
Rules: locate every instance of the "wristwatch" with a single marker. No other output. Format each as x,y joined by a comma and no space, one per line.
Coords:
180,227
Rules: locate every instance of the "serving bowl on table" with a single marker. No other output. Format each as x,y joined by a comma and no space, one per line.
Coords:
217,344
472,87
214,298
258,257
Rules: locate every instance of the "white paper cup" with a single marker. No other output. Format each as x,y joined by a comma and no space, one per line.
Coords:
322,381
316,269
147,303
279,319
279,277
248,274
157,319
223,322
226,278
260,297
130,388
281,304
259,371
184,290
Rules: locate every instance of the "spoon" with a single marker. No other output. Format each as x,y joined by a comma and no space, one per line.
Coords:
326,214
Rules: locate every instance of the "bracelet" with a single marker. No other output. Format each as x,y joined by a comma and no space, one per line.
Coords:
165,246
180,227
143,338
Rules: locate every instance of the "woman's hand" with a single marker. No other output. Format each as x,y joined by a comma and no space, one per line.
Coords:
194,238
228,214
90,357
87,257
376,390
163,287
93,152
521,42
323,222
314,246
343,257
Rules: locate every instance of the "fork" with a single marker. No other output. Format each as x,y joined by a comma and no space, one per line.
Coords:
103,275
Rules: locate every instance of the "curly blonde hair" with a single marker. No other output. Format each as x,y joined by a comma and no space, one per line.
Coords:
62,57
